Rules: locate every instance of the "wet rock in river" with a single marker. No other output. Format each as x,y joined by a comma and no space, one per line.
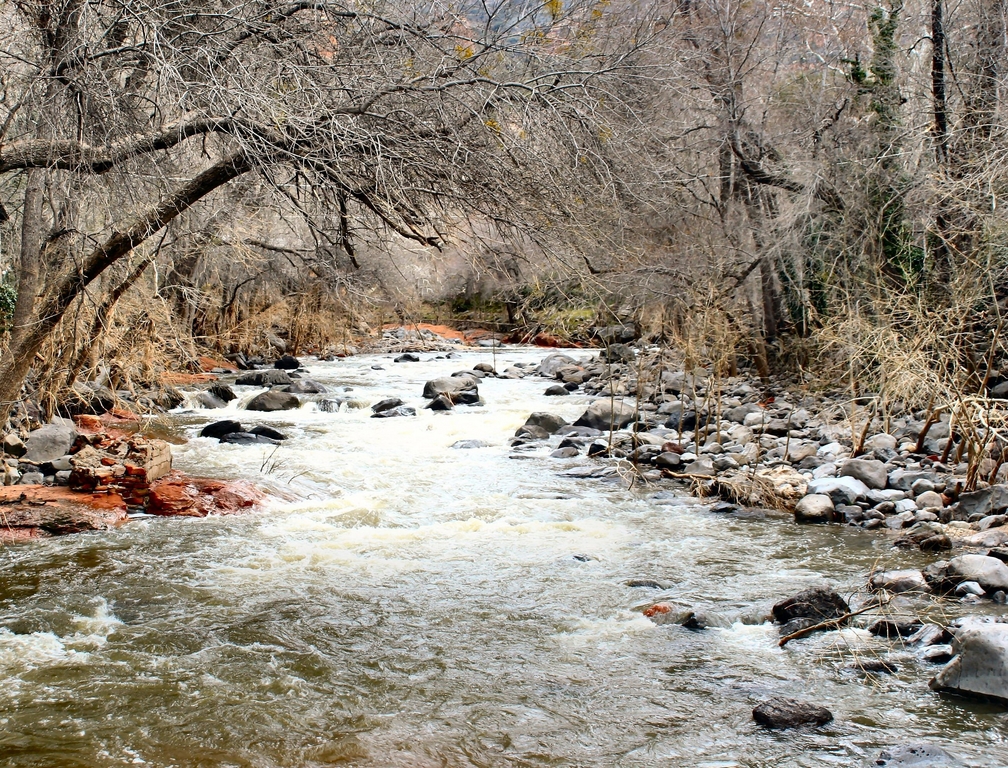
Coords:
556,390
790,713
400,410
814,508
468,444
264,431
915,756
305,387
459,390
818,603
891,628
548,422
222,392
440,403
273,400
287,363
989,572
980,668
247,438
408,357
907,580
267,378
386,404
843,490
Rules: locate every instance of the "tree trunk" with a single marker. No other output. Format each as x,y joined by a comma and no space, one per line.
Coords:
31,256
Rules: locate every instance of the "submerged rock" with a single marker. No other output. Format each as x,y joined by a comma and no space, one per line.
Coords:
915,756
220,428
790,713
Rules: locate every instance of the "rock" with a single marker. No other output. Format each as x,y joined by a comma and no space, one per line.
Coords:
843,490
440,403
557,390
269,432
938,543
1000,553
605,414
937,654
790,713
814,508
220,428
287,363
891,628
39,511
207,400
929,634
180,495
247,438
991,521
930,500
408,357
882,442
818,603
702,466
386,404
459,390
985,502
222,392
899,581
915,756
980,668
31,478
305,387
871,472
50,442
552,363
989,572
551,423
986,539
621,334
618,353
468,444
274,400
568,452
13,446
969,588
400,410
268,378
668,460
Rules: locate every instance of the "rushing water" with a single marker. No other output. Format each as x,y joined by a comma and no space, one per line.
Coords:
406,603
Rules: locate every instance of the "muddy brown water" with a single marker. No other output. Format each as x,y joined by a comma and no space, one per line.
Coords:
404,603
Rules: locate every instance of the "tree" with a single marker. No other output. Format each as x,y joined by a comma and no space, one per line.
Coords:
120,117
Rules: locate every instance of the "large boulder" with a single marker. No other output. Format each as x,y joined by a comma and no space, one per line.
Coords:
553,363
220,428
268,378
790,713
989,572
606,414
287,363
871,472
50,442
981,667
273,401
547,421
842,490
985,502
462,389
222,392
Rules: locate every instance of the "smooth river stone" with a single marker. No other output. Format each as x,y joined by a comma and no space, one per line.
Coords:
981,667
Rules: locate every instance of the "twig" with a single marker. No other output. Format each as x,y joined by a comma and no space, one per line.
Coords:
830,623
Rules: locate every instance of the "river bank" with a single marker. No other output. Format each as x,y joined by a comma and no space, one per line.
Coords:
488,505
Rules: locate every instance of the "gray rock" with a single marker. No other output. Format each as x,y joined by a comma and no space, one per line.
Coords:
814,508
618,353
668,460
222,392
50,442
552,363
220,428
991,521
881,442
940,653
274,400
993,538
915,756
985,502
407,357
31,478
549,422
790,713
305,387
989,572
469,444
287,363
930,500
247,438
568,452
907,580
460,390
702,466
440,403
929,634
13,446
605,414
843,490
209,401
892,628
268,378
386,404
557,390
980,668
969,588
871,472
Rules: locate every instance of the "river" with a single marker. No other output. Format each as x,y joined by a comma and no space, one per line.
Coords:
400,602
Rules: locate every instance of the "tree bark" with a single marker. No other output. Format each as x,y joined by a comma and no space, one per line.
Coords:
17,359
31,256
